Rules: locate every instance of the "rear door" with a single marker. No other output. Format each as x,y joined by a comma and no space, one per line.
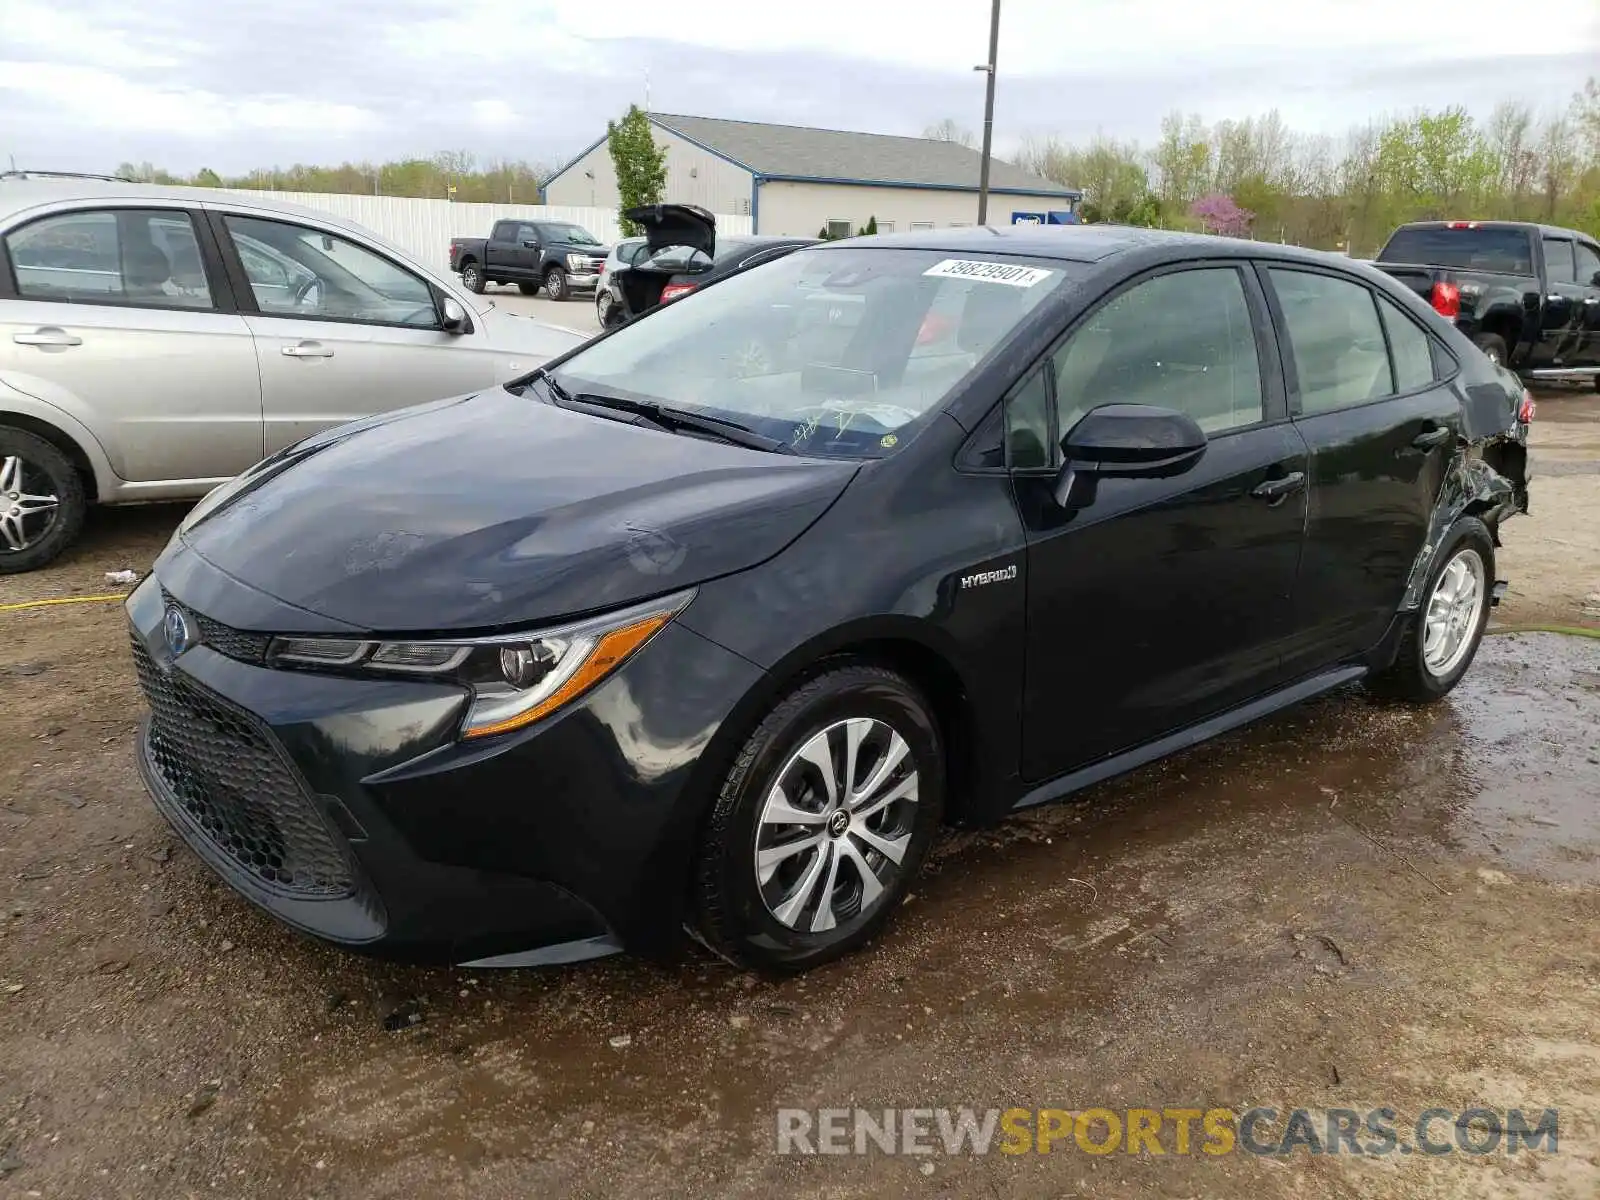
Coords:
1561,327
349,333
1589,280
122,317
1163,601
1381,427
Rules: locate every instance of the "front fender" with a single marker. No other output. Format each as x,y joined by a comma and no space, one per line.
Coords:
52,405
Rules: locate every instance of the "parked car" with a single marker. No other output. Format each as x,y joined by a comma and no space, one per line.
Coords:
607,304
556,256
1527,295
682,252
645,641
156,341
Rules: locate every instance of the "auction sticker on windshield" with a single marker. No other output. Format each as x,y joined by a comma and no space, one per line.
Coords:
989,272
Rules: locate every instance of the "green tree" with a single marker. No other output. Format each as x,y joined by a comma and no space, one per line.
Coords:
641,165
206,177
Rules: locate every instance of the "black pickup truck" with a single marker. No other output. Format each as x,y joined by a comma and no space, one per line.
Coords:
556,256
1528,295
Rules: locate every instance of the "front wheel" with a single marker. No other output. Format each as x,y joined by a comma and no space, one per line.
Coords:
555,283
822,822
472,278
1442,636
42,502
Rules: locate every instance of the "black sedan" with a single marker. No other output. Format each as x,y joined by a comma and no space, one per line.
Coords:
653,640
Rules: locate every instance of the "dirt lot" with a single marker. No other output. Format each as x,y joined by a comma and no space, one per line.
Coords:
1352,905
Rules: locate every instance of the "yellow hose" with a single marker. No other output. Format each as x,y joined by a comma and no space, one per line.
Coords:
1572,630
63,600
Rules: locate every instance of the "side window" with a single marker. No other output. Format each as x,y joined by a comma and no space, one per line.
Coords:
1411,349
1339,351
527,233
1588,264
1183,341
144,257
1558,260
504,231
295,271
1028,425
839,229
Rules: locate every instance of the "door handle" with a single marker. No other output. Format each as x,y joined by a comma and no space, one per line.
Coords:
47,336
1276,491
308,350
1429,438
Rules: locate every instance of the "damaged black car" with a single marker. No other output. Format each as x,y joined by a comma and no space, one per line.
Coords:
671,639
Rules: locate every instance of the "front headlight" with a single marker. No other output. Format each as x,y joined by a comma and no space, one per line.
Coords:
577,262
515,679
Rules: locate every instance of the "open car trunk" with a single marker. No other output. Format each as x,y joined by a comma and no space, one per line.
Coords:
680,239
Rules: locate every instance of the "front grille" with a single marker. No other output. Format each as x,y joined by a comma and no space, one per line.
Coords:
227,774
235,643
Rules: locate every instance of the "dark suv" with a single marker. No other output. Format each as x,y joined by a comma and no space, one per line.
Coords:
659,638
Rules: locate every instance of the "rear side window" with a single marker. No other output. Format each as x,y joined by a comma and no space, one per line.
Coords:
1339,351
1509,251
1183,341
1588,265
1409,347
142,257
1558,260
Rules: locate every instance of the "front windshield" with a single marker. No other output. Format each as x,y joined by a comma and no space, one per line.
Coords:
829,351
575,235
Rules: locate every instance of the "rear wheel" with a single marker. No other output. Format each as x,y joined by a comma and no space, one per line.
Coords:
1442,636
42,501
472,278
822,823
1493,347
555,283
528,289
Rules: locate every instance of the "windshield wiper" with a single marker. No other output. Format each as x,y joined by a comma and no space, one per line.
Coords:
669,418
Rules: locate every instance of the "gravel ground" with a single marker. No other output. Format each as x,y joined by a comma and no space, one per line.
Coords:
1350,905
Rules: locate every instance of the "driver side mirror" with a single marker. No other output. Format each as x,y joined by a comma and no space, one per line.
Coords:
1595,282
1126,440
452,316
529,245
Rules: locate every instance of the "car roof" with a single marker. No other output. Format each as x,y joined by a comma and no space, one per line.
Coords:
1082,243
1526,226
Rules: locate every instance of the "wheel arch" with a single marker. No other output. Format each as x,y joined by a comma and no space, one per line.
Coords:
69,443
1505,322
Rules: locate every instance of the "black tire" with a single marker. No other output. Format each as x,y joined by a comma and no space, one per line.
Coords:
555,284
528,289
472,277
731,915
43,466
1493,347
1409,677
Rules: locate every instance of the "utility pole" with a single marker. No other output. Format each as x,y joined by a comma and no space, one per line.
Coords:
988,114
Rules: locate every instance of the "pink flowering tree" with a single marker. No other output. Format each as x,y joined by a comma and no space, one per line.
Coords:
1219,214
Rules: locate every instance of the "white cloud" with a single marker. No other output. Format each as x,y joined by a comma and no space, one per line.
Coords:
494,114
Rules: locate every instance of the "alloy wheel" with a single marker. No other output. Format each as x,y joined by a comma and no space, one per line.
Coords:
25,517
1453,612
836,824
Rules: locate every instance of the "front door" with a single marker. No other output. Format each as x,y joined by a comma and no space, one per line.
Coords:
1160,602
348,333
1381,428
1561,332
1589,280
118,322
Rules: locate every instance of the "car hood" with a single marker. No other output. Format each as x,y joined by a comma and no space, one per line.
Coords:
526,338
499,510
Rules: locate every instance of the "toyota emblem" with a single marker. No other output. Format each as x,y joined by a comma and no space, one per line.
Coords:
176,627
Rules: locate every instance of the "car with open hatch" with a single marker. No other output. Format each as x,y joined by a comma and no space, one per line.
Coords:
657,639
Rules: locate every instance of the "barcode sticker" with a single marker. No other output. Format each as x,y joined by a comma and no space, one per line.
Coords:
989,272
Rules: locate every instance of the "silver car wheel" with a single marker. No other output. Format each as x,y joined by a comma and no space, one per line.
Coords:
1453,612
836,824
25,518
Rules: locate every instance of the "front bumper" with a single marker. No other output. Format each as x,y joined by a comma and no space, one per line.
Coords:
346,808
583,282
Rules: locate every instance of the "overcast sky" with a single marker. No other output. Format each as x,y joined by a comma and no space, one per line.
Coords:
235,84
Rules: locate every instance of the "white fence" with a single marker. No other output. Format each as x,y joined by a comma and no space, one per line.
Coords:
423,228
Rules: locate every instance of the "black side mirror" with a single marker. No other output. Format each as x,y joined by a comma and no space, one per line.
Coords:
530,245
1128,440
1595,282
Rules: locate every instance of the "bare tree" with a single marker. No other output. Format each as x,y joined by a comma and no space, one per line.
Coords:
948,130
1558,161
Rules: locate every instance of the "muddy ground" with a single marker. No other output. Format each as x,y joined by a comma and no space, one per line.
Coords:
1352,905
